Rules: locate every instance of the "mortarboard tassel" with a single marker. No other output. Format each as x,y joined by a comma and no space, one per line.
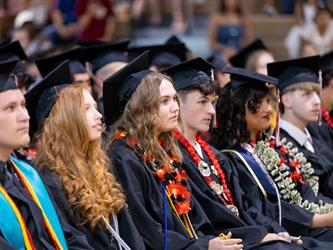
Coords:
277,127
320,117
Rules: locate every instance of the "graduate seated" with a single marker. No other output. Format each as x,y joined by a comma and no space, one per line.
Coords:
29,218
69,127
300,104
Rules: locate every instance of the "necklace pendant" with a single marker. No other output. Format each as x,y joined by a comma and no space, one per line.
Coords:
233,209
204,168
217,188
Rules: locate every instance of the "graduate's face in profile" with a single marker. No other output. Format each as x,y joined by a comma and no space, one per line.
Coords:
93,117
260,120
197,111
169,108
14,120
303,105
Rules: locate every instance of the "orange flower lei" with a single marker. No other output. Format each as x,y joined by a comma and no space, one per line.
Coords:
175,179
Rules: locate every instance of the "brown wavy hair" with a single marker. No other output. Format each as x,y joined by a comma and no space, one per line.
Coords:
140,119
81,164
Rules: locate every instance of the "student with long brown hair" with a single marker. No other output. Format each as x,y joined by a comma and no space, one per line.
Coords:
143,108
76,167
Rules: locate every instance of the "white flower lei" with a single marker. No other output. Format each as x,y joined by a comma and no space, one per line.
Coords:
282,176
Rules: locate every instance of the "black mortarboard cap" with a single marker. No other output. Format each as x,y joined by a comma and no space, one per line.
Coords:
12,50
191,73
75,57
41,98
295,71
162,56
7,78
119,87
240,77
217,62
239,60
101,55
326,63
176,40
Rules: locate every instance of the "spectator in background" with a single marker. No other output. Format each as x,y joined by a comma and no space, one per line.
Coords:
64,27
304,14
320,34
229,29
96,20
182,15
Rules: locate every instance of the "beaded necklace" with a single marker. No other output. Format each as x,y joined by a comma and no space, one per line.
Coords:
222,191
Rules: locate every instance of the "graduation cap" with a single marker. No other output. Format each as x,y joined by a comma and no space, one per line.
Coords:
217,62
41,98
241,77
103,54
176,40
75,57
295,71
239,60
162,56
326,63
12,50
7,78
119,87
191,73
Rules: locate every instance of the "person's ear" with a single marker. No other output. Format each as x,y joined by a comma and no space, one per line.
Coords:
286,100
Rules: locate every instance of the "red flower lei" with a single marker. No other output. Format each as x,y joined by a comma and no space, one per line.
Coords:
175,179
211,157
296,173
326,116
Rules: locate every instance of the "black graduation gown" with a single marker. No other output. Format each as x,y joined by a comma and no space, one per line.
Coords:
99,238
322,132
221,217
295,219
145,203
321,161
33,217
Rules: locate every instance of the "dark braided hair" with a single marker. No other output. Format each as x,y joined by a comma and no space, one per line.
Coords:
231,106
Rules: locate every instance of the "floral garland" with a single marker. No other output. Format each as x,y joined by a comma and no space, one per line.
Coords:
327,116
286,177
171,174
223,192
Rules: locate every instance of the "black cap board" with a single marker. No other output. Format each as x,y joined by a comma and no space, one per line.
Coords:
75,57
41,98
241,77
240,59
103,54
119,87
295,71
162,56
191,73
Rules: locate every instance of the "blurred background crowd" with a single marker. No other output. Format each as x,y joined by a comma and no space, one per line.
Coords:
289,28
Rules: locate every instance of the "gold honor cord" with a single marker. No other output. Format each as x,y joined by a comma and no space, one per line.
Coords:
248,168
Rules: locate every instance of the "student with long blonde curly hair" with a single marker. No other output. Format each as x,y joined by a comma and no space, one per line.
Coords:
76,170
143,108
